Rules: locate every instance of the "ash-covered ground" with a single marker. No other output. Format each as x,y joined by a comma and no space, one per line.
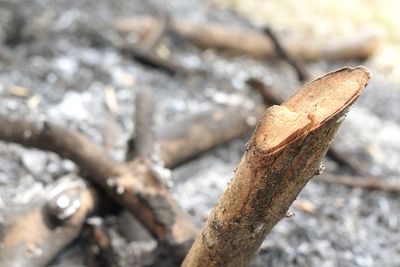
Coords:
58,62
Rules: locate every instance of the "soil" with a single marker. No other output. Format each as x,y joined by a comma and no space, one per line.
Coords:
58,63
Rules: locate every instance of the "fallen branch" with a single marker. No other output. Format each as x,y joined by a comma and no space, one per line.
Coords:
36,235
152,60
133,185
100,242
153,38
251,42
369,183
302,73
283,154
186,138
143,142
270,98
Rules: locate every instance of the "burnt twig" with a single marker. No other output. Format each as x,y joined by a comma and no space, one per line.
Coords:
152,60
302,73
35,236
133,185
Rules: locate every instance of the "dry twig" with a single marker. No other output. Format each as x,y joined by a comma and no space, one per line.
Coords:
302,73
133,185
251,42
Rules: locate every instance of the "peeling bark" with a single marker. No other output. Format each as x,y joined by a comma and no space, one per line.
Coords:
283,154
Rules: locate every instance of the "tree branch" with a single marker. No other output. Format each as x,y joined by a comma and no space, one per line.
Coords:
144,138
133,185
283,154
34,236
270,98
186,138
251,42
302,74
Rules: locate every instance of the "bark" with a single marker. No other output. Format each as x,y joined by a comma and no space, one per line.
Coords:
36,235
134,185
251,42
184,139
270,98
283,154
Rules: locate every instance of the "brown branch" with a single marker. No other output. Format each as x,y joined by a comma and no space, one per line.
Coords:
36,235
270,98
251,42
154,36
283,154
100,242
142,144
369,183
133,185
186,138
302,73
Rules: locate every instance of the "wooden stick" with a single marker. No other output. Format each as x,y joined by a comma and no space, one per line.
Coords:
251,42
152,60
144,139
100,242
342,159
302,73
184,139
153,38
369,183
36,235
283,154
133,185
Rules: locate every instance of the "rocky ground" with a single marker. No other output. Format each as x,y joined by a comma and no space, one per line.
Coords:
57,62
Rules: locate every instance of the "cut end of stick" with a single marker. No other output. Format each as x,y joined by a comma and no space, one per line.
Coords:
315,103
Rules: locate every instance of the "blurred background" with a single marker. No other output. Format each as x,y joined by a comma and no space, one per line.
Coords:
72,63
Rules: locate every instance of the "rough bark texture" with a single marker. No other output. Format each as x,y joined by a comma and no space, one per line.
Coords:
254,43
283,154
35,235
